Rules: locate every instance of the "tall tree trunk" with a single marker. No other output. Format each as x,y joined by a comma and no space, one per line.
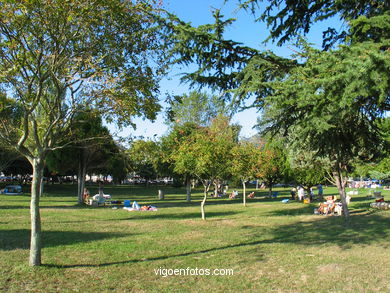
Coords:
243,192
270,190
216,188
206,189
35,241
188,189
160,194
41,186
79,185
340,183
257,184
82,172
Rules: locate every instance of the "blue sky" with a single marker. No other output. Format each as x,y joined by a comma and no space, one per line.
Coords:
244,30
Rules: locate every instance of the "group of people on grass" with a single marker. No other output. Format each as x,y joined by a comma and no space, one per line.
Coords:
299,192
329,206
99,198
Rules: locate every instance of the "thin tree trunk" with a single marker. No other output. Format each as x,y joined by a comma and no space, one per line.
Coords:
82,172
243,192
41,186
79,184
35,241
206,189
216,183
340,183
257,184
270,190
188,189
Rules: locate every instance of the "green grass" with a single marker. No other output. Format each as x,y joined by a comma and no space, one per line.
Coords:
271,246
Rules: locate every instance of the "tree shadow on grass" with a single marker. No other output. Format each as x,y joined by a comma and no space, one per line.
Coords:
14,207
358,206
44,205
364,230
20,239
145,215
176,216
289,211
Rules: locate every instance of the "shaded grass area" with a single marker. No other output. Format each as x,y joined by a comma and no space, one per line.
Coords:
270,246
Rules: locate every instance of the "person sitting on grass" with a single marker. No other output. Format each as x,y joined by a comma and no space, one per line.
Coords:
86,195
328,206
251,195
233,195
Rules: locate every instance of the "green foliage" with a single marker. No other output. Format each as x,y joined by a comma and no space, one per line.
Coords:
170,144
197,108
380,175
57,56
206,154
144,156
290,18
118,166
333,101
244,157
88,141
218,60
271,165
363,170
308,169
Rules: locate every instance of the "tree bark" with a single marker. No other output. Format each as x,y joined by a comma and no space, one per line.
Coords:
243,192
216,183
340,183
36,241
82,172
41,186
270,190
188,190
206,189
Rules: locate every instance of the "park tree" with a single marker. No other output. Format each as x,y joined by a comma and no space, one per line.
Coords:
92,146
222,137
88,147
206,155
169,146
271,165
144,157
187,112
334,101
244,158
118,164
58,56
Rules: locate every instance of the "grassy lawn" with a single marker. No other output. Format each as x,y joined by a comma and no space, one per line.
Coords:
270,246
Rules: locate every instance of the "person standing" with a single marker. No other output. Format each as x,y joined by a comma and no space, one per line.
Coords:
293,193
301,193
320,192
